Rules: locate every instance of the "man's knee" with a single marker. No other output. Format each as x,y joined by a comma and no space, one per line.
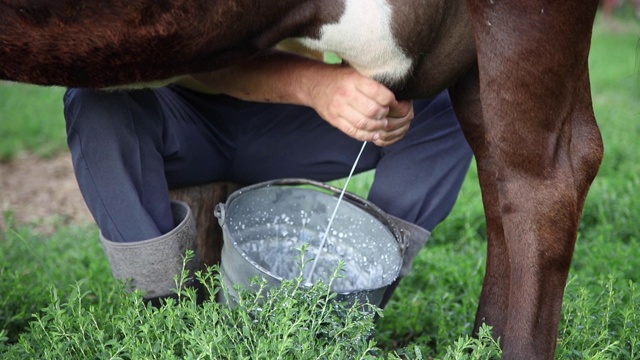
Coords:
105,114
83,108
76,100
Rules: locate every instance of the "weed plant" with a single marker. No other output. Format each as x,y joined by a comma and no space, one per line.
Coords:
286,322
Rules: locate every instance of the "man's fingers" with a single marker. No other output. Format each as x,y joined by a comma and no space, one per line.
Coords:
369,108
376,91
400,109
397,126
383,132
360,127
391,137
397,123
359,131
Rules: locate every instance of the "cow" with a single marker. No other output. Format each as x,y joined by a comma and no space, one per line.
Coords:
516,71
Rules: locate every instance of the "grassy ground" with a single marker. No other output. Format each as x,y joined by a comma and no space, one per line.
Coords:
81,313
31,120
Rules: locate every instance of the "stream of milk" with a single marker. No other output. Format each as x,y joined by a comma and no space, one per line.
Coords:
335,210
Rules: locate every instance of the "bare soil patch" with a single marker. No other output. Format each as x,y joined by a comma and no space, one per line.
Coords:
41,193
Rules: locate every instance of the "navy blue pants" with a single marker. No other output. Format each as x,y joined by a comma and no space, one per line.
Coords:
130,147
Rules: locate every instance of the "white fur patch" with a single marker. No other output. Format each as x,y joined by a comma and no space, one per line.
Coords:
363,37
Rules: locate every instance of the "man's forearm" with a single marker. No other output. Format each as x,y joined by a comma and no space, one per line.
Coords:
274,77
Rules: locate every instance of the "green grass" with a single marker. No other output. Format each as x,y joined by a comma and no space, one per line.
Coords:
80,312
30,120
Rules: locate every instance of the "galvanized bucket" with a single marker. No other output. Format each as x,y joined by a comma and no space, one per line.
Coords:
265,226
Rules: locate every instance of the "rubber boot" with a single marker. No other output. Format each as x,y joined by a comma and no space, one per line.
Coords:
414,238
152,265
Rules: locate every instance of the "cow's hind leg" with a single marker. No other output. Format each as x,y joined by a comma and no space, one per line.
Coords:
538,149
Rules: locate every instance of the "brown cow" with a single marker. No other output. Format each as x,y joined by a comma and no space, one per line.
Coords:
517,72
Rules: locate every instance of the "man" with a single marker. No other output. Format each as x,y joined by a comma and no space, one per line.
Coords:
276,116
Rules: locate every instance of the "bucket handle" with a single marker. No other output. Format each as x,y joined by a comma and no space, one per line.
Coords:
219,212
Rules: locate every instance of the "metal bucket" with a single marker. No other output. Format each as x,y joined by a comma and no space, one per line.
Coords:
265,226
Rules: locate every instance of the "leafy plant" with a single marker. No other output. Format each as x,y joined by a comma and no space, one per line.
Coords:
286,322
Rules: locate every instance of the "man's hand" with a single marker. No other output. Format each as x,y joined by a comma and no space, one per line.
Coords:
360,107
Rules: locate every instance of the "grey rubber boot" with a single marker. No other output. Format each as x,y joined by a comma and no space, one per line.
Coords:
414,238
152,265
